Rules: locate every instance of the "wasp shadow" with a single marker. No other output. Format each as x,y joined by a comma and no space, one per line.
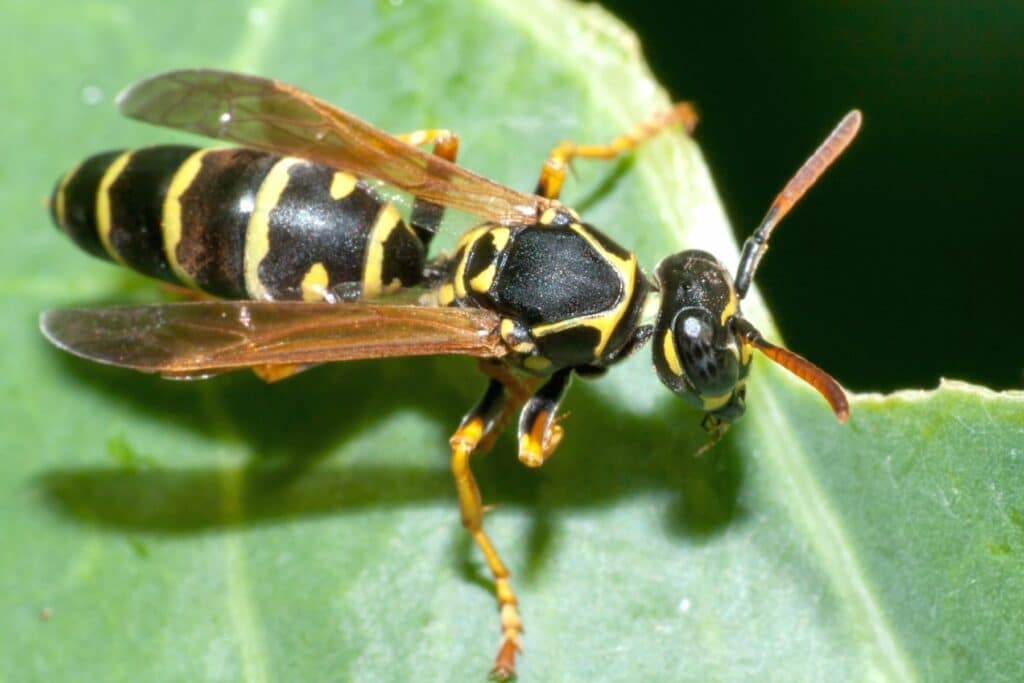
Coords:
608,454
604,187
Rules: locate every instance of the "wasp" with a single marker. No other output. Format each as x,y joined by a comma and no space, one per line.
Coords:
304,261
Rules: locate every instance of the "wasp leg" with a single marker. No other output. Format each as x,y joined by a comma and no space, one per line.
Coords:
446,143
276,373
518,391
267,373
475,429
552,173
539,433
426,217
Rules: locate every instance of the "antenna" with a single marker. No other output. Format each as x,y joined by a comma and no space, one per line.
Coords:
757,244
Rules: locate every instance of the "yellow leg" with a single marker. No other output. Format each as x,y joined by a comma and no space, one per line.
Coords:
538,443
552,174
464,442
446,143
276,373
505,394
539,432
267,373
425,217
519,390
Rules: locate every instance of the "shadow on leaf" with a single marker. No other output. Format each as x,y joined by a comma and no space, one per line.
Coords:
608,454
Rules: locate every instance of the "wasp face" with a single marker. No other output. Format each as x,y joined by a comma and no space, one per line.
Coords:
696,351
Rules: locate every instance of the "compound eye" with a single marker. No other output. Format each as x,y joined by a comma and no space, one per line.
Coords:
712,369
696,330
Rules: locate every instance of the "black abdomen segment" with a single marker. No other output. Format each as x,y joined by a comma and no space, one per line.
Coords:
238,223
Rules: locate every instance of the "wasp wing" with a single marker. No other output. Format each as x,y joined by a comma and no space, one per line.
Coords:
198,339
280,118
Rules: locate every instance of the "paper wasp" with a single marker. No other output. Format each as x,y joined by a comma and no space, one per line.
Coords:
302,254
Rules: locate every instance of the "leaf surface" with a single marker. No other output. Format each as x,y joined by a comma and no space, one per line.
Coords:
308,530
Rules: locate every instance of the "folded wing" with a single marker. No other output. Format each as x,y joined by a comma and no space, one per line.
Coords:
198,339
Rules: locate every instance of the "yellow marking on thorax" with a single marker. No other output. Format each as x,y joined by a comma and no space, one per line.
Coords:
651,308
466,244
668,350
257,234
445,294
342,185
103,214
524,347
604,322
387,221
536,363
471,236
314,283
500,238
548,217
60,200
171,214
483,281
507,331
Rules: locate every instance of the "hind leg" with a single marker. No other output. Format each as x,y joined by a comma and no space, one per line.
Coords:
426,217
552,173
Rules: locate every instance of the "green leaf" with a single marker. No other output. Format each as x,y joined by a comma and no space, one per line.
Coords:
308,531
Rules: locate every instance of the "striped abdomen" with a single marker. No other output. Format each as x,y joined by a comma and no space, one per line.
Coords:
238,223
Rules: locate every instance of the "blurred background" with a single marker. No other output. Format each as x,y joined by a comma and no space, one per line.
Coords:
906,262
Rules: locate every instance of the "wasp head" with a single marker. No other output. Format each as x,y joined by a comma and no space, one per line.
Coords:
697,353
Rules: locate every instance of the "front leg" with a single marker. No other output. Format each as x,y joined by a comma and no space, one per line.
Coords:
539,433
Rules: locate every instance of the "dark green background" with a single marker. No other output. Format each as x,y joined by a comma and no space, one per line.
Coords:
906,263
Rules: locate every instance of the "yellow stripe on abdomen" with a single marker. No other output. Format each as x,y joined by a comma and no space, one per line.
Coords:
103,213
342,185
257,234
314,283
60,200
373,270
171,227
